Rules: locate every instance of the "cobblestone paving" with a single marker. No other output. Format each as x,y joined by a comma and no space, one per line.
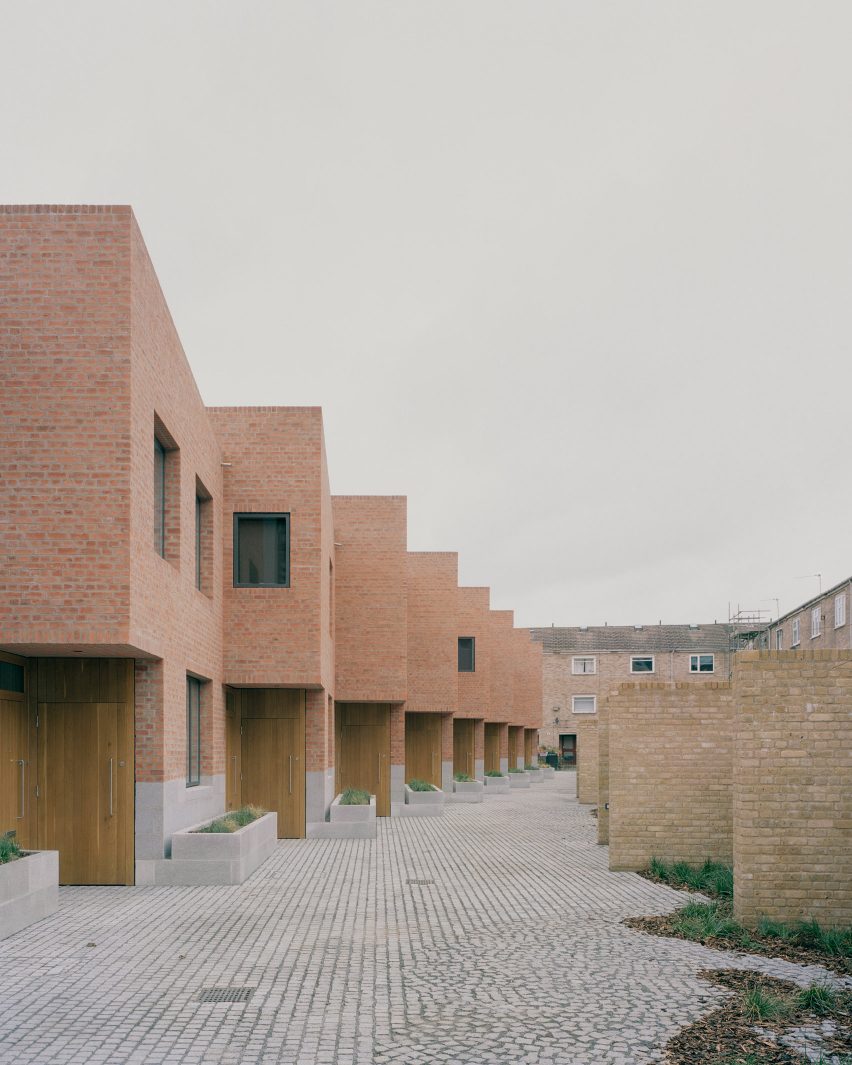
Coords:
489,935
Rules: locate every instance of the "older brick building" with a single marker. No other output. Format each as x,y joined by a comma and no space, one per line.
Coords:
188,618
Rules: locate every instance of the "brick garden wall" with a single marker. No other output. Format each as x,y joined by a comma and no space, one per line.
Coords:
793,786
670,773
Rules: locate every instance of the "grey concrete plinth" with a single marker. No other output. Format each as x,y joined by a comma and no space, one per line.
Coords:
29,890
547,772
467,791
519,780
420,803
212,857
496,785
346,822
535,776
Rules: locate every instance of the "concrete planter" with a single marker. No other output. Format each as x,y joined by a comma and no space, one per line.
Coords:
29,890
535,775
422,803
200,858
547,772
496,784
467,791
519,780
351,822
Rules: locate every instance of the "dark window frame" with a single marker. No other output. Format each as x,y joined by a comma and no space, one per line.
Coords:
250,515
193,731
472,640
199,503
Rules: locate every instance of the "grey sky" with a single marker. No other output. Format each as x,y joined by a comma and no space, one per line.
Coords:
574,277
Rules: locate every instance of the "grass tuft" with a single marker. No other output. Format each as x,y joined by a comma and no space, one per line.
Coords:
354,797
711,878
761,1005
9,850
493,773
235,820
421,785
462,778
818,998
514,769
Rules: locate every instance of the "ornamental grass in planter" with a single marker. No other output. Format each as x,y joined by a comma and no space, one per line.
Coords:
233,821
518,778
466,788
352,815
354,797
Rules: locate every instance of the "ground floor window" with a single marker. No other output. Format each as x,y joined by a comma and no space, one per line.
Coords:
193,732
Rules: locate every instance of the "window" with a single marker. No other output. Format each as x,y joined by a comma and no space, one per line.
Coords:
583,665
467,655
261,550
193,732
839,611
11,677
199,502
797,639
584,704
816,619
642,664
779,639
701,663
159,498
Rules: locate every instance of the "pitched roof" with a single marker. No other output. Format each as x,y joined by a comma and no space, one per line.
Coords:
714,637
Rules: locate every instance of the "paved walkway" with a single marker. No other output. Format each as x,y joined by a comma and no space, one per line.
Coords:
490,935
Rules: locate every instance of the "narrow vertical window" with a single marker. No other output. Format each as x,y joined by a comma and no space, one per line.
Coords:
779,639
839,611
159,498
193,732
198,506
816,618
796,633
467,654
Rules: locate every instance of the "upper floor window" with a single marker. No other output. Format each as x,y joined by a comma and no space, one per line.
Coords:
159,498
203,539
467,654
701,663
797,639
583,665
642,664
262,550
839,610
779,639
816,622
193,732
584,704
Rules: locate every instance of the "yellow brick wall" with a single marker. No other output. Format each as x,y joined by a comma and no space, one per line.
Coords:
793,786
586,728
669,754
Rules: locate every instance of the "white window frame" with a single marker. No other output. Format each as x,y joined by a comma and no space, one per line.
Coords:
643,672
779,639
695,662
816,622
574,699
584,672
797,632
840,610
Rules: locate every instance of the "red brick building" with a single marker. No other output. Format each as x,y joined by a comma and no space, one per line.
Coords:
188,619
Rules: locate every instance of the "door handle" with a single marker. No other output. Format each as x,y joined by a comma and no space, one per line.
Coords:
21,764
291,774
110,788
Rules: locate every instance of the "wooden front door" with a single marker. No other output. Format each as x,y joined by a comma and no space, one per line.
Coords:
513,746
232,750
492,748
86,787
463,733
271,760
423,748
362,740
529,747
17,783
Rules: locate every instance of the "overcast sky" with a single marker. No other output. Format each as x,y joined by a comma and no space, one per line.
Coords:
576,278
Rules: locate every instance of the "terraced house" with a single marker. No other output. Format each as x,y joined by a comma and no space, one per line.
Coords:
189,620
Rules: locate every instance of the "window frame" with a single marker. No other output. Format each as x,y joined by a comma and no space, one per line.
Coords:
193,739
840,601
584,672
235,547
159,497
472,640
797,632
779,639
816,622
643,672
574,699
696,659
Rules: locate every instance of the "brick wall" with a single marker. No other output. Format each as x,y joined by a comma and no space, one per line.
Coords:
432,631
370,598
586,731
502,669
474,689
670,773
792,795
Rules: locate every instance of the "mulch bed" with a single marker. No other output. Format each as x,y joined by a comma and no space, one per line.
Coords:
767,946
729,1036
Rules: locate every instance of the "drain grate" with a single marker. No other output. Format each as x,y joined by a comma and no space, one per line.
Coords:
226,994
420,882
